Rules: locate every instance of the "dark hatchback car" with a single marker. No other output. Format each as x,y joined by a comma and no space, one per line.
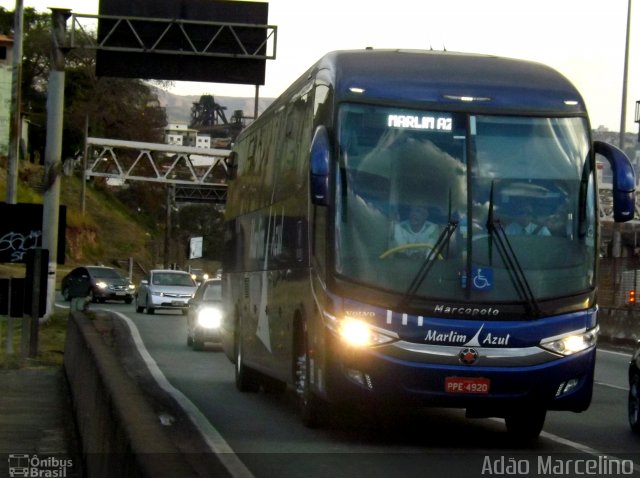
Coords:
205,314
100,283
634,390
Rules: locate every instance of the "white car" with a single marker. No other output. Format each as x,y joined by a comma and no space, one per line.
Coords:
165,289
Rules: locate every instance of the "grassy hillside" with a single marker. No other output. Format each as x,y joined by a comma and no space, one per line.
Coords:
107,232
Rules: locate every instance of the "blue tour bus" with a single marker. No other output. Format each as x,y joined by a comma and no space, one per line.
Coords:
321,297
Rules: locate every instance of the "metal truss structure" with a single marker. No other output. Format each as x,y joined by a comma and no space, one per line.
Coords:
199,175
202,37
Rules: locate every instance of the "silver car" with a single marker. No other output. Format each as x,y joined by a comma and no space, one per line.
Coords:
165,289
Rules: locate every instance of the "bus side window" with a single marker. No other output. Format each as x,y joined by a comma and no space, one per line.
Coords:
294,148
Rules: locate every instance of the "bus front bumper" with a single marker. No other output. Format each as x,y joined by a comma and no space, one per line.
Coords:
496,381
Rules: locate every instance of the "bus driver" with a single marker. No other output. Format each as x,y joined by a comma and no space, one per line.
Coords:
417,229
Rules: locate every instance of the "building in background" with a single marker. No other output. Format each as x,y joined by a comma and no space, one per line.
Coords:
179,134
203,141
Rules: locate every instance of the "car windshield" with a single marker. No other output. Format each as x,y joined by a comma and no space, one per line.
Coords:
409,182
213,292
105,273
173,278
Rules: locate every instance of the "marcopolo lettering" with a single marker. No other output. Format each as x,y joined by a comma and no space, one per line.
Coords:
471,311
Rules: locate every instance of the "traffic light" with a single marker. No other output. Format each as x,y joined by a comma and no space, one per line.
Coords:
631,297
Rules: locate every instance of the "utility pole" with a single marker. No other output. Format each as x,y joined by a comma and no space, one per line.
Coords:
167,226
16,109
623,112
255,103
85,152
53,149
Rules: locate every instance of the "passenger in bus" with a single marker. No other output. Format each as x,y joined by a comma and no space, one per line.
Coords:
524,225
417,229
559,221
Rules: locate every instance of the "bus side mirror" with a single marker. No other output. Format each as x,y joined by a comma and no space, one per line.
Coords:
320,156
231,165
624,181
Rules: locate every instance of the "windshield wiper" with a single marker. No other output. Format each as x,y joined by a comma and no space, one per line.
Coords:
510,260
427,264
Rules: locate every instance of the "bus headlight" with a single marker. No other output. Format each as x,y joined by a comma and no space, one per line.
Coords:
358,333
573,343
209,318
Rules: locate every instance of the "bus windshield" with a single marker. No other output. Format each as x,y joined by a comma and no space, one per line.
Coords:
488,201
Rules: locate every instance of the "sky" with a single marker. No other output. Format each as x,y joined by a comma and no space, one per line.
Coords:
582,39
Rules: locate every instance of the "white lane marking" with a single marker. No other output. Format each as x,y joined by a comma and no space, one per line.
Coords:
216,443
577,446
602,384
584,448
613,352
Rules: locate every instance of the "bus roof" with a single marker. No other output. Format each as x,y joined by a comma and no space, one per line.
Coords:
448,80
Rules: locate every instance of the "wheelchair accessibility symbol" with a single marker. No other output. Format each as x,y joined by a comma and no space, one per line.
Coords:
482,278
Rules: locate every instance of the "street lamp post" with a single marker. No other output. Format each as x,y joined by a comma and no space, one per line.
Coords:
638,117
53,149
623,112
16,110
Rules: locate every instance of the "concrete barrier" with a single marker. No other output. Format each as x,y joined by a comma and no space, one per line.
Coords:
118,432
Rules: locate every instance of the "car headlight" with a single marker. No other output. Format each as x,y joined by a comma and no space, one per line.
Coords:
358,333
573,343
132,287
209,317
101,285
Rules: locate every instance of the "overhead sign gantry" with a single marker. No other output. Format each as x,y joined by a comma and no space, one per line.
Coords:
193,40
